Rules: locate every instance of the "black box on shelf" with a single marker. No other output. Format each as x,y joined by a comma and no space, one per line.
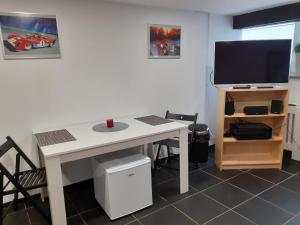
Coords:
256,110
250,131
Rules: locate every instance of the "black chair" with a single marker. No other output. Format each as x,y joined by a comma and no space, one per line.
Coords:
22,181
174,142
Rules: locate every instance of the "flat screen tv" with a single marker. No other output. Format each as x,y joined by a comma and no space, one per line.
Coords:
252,62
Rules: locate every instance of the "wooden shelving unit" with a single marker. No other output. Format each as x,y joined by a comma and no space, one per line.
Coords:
250,154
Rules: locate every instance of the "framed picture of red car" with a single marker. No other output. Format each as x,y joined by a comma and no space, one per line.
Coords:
164,41
27,35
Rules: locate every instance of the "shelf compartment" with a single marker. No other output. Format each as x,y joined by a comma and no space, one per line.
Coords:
257,95
248,161
254,164
255,152
276,122
231,161
234,140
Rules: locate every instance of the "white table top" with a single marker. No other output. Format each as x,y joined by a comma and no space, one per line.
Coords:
86,138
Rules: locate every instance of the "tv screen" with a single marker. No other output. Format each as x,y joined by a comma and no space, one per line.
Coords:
251,62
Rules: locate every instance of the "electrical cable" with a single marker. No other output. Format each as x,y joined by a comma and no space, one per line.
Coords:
210,79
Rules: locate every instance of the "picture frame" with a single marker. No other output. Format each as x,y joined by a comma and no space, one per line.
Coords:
29,36
164,41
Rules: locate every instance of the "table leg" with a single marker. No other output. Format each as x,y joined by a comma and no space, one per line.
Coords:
184,162
44,193
148,151
55,191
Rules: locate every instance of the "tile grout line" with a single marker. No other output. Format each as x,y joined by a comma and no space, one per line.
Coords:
222,214
139,222
291,175
285,188
175,177
134,217
257,196
87,210
292,214
253,196
289,172
27,214
197,191
241,189
261,178
227,211
216,201
135,220
240,172
221,182
172,204
205,189
292,218
165,181
77,215
190,218
278,184
68,198
246,218
84,222
226,207
6,213
155,211
273,185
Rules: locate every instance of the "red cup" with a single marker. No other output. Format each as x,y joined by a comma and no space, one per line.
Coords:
110,123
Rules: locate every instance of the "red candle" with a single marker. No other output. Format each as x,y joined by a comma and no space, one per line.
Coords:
110,123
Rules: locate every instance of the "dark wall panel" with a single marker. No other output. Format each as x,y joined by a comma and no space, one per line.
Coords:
286,13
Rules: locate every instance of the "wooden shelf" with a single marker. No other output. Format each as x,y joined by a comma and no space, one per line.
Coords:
234,140
254,89
243,115
250,162
231,153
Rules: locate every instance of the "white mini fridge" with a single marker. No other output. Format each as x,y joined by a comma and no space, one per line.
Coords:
122,184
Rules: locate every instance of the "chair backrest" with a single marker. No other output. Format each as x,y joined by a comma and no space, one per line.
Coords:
10,144
183,117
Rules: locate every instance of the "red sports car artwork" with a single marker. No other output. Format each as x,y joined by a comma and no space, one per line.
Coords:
29,41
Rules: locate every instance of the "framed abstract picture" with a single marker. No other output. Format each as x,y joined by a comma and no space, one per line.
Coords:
164,41
29,36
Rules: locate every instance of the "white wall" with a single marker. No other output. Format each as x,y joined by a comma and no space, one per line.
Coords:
294,83
220,29
104,70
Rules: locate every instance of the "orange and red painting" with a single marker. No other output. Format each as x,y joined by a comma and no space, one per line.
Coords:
164,41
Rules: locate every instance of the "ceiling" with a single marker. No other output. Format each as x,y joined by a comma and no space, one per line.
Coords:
225,7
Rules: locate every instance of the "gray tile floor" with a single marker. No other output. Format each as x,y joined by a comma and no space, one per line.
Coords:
248,197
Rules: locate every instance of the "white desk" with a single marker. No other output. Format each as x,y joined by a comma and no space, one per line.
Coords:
90,143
